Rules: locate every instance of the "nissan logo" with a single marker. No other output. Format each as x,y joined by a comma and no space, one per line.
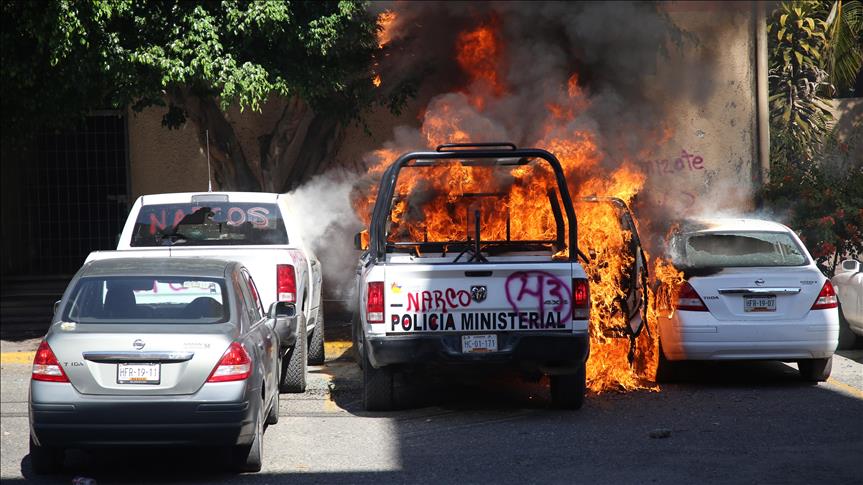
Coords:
138,344
759,282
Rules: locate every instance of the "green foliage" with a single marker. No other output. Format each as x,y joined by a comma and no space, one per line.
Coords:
816,180
845,39
824,204
799,117
62,58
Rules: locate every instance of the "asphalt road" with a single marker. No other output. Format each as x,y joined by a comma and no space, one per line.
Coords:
729,423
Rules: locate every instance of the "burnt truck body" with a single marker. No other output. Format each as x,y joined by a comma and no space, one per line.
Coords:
490,297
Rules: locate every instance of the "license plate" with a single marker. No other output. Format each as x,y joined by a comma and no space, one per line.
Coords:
759,303
139,373
478,343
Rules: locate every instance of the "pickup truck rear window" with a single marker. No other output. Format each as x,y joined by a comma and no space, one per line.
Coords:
214,224
149,299
742,249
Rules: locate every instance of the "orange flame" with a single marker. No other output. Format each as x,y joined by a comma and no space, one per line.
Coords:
386,23
444,188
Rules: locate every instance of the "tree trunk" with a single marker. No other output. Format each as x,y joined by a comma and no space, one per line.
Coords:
297,147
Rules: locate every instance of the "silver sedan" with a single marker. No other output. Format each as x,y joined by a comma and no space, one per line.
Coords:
157,352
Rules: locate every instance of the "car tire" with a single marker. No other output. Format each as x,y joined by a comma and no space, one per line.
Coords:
567,391
249,458
45,460
316,341
378,387
273,413
666,370
357,340
815,370
293,375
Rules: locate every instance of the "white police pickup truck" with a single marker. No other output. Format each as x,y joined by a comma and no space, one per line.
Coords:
254,228
488,292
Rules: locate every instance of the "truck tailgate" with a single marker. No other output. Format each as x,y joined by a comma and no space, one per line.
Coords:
478,297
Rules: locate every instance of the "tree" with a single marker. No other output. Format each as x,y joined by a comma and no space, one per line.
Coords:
63,58
816,178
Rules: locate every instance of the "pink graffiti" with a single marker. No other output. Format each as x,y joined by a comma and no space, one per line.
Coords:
540,288
686,162
438,300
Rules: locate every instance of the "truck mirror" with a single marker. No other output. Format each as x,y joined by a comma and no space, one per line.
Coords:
281,309
361,241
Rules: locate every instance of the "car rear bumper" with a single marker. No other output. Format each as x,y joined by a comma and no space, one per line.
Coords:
550,352
60,416
700,336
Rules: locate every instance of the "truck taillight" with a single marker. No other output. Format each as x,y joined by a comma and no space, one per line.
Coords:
375,305
827,298
688,299
46,367
286,283
580,299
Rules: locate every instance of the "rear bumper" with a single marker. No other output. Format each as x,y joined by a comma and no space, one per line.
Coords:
700,336
219,414
550,352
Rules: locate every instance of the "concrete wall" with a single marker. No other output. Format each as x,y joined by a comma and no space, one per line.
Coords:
711,162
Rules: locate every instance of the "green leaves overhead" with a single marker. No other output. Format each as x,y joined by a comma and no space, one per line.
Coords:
64,57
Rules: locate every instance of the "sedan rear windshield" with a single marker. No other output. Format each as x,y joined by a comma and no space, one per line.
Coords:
216,224
741,249
149,299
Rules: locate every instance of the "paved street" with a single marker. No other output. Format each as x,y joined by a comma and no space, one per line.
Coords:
731,423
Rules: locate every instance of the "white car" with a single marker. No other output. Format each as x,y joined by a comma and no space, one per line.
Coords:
848,282
751,292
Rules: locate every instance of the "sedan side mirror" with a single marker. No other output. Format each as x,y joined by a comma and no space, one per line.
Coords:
57,306
281,309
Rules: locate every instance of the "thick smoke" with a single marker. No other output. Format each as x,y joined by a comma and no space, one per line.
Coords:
327,222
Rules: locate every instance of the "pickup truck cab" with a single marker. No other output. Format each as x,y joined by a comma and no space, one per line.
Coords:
256,229
501,288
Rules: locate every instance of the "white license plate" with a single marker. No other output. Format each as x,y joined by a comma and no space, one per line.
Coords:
759,303
139,373
478,343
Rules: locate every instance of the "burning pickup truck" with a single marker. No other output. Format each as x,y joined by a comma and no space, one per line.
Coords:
472,288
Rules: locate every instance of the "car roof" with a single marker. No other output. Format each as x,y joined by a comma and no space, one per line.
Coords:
179,197
201,267
732,225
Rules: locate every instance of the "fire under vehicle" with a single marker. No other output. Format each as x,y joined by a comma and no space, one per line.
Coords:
481,289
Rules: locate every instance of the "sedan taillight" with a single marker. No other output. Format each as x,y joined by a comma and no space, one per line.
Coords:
235,365
688,299
827,298
46,367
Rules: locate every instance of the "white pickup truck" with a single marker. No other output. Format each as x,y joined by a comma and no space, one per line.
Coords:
487,295
256,229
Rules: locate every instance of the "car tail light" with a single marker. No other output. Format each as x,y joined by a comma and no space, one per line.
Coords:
286,283
688,299
235,365
827,298
580,299
46,367
375,306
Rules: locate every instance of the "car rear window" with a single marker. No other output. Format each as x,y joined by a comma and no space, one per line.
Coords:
741,249
213,223
148,298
